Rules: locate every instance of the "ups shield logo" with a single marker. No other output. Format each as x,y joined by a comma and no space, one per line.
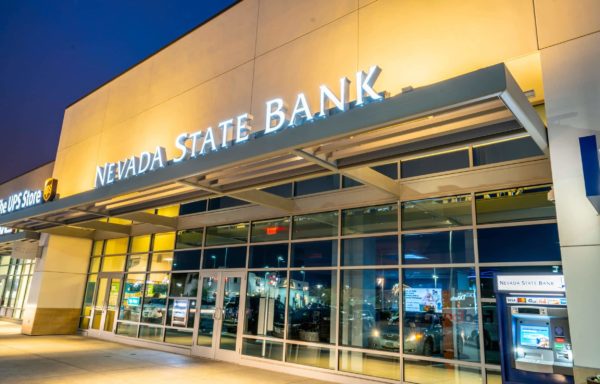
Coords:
50,189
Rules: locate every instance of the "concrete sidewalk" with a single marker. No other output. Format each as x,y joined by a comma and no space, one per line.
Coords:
82,360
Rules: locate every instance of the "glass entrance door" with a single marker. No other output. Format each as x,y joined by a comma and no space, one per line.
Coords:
106,302
218,328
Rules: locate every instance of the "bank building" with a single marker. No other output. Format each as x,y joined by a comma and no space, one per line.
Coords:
381,191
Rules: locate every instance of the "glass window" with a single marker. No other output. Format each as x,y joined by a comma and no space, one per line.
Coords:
116,246
270,230
94,265
131,300
230,257
315,254
312,306
97,248
137,263
193,207
164,241
265,304
186,260
155,298
324,224
438,247
184,285
491,342
382,250
390,170
283,190
178,336
227,234
440,313
494,377
161,261
129,330
140,244
189,238
505,150
224,202
313,356
266,349
370,364
517,204
185,313
172,211
486,275
316,185
113,263
150,333
90,287
452,211
521,243
370,312
382,218
349,183
268,256
435,163
434,372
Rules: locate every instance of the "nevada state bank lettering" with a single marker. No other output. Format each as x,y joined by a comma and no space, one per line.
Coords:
239,128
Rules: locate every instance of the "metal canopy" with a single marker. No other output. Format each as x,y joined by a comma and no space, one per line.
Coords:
483,104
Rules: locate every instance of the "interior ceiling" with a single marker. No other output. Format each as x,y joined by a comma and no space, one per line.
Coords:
441,129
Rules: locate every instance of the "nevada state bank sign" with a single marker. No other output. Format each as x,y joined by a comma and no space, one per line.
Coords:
239,128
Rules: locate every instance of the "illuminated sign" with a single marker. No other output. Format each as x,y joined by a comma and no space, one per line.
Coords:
50,187
530,283
6,231
238,129
20,200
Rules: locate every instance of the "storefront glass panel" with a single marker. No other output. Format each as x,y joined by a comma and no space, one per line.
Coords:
270,230
438,247
230,257
313,356
265,303
227,234
452,211
370,364
131,300
268,256
189,238
516,204
323,224
314,254
382,218
155,298
382,250
266,349
428,372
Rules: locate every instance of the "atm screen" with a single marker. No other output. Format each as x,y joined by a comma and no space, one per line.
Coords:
535,336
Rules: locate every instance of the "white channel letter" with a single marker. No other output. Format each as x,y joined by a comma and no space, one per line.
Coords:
275,112
159,158
364,84
300,108
121,166
195,137
328,97
225,125
110,173
209,137
144,164
100,176
132,165
180,144
243,128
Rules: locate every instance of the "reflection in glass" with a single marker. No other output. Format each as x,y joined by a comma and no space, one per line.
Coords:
313,356
440,313
505,150
266,349
208,304
440,162
161,261
189,238
433,372
270,230
131,300
268,256
316,185
315,254
312,306
184,285
129,330
517,204
438,247
178,336
369,315
227,234
230,310
370,251
230,257
155,298
265,303
186,260
370,364
86,310
382,218
443,212
323,224
184,312
150,333
112,303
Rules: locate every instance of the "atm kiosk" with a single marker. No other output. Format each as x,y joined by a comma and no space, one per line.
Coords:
535,342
